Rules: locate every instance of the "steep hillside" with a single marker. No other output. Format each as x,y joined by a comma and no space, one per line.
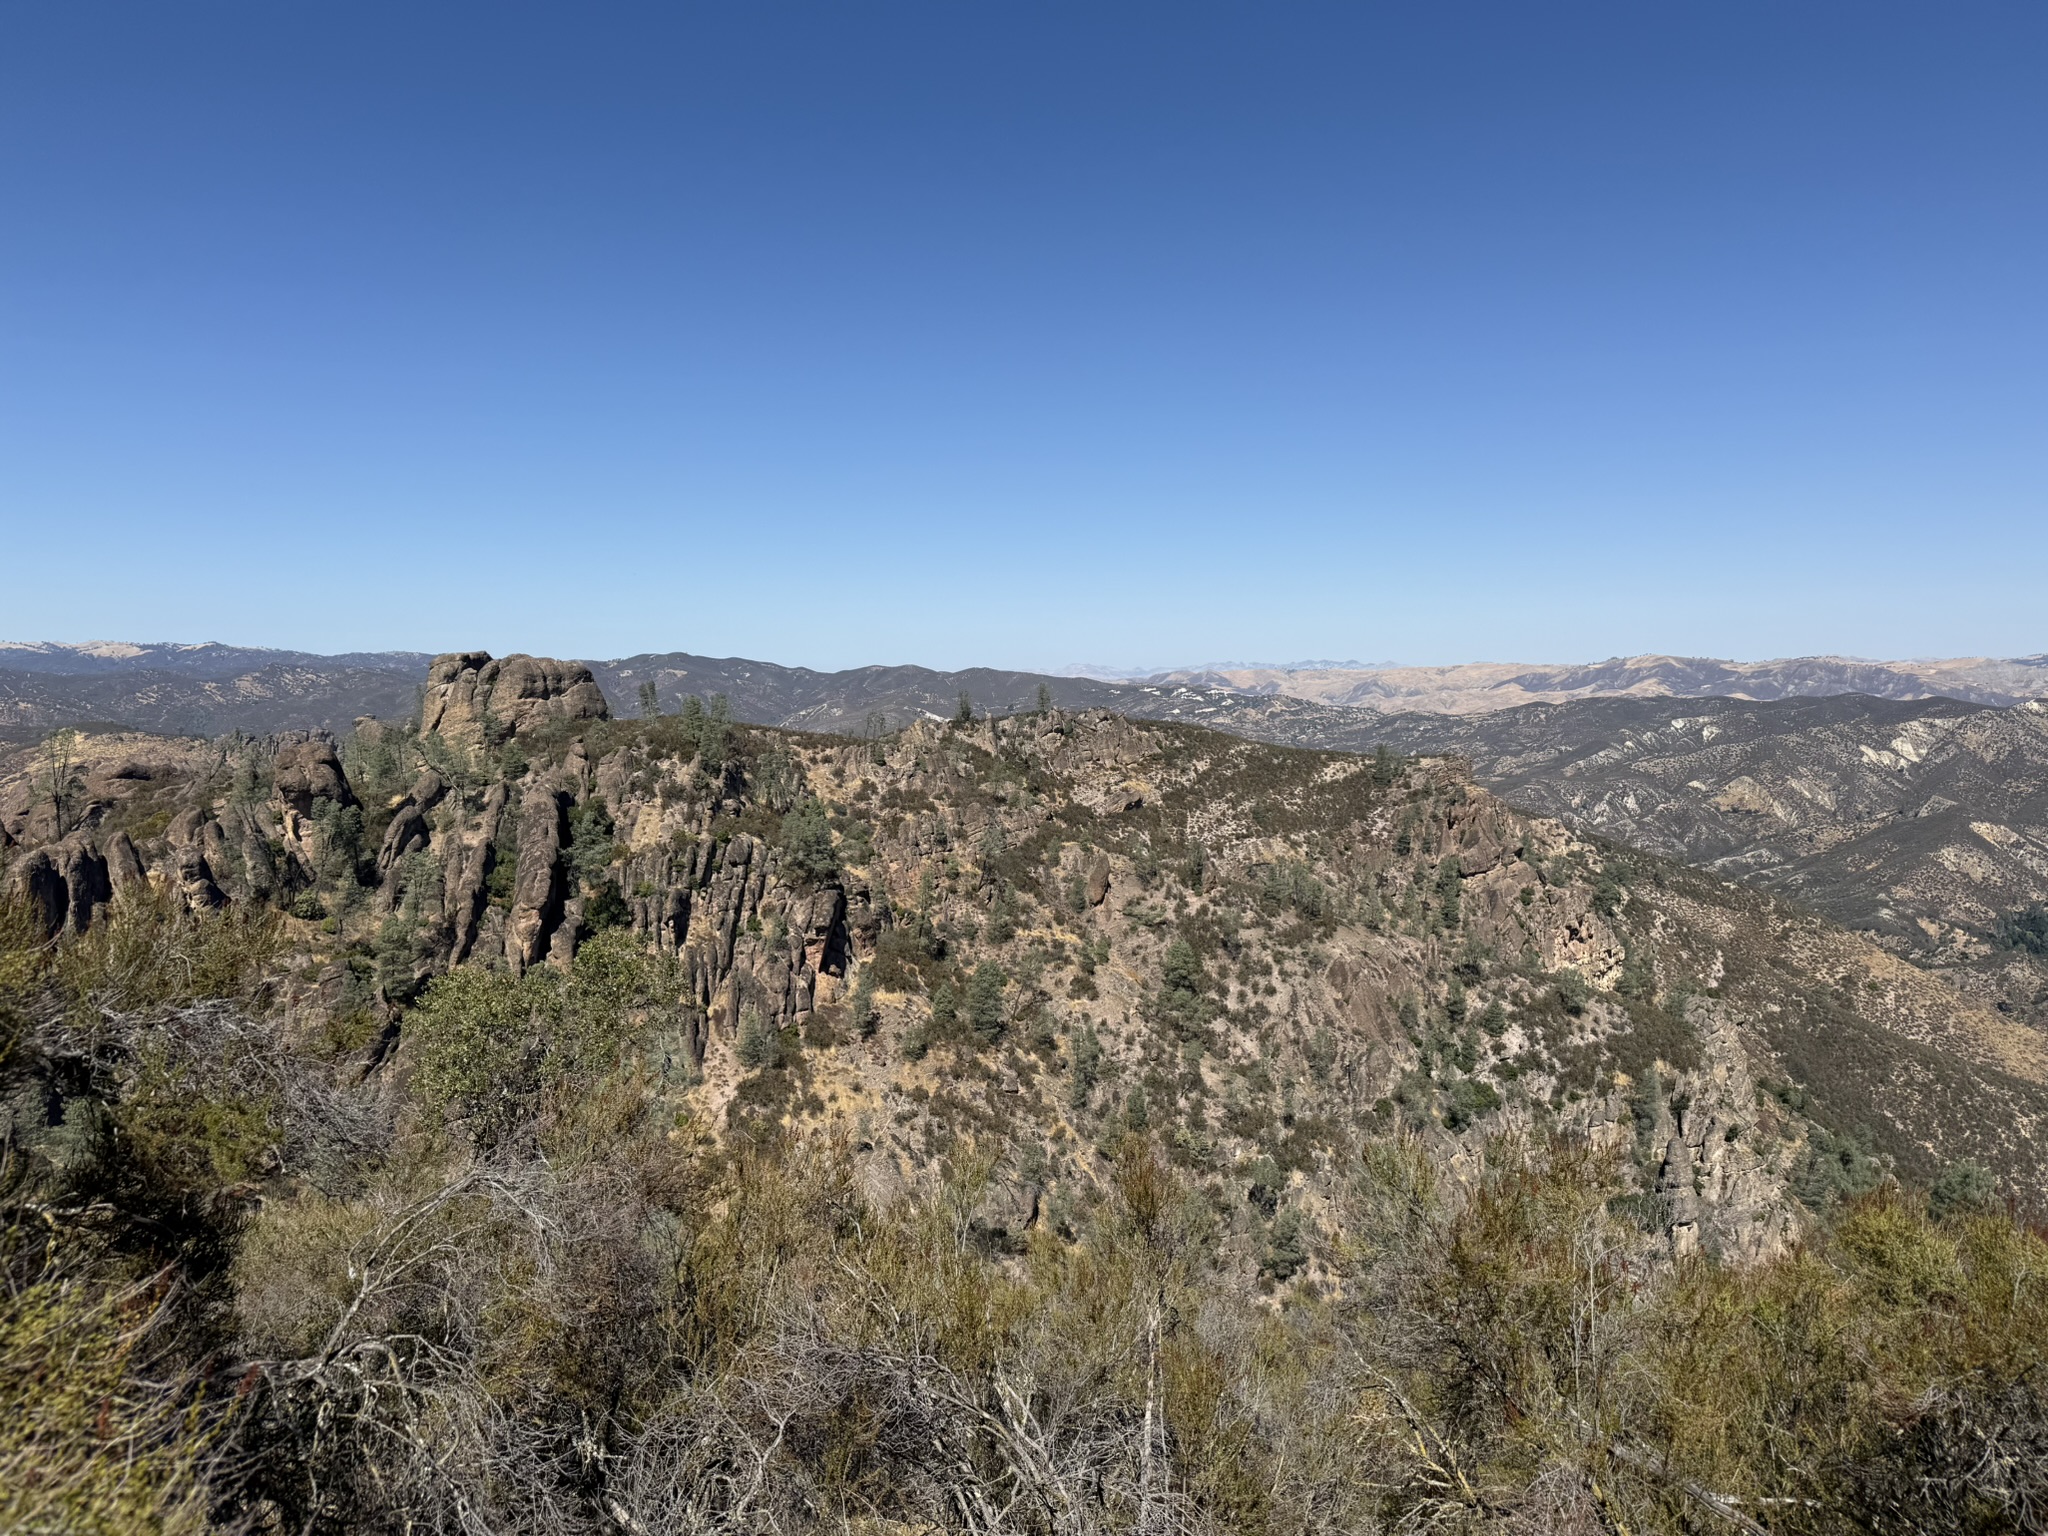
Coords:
1924,824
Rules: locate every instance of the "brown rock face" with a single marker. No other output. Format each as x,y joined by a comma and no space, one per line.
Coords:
821,920
191,875
1098,880
537,889
35,881
469,866
115,781
124,864
63,884
408,831
85,879
477,701
308,769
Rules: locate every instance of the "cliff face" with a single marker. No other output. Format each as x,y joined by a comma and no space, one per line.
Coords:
473,700
1025,933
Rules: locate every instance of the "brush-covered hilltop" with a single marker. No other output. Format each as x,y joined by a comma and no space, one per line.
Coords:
531,1119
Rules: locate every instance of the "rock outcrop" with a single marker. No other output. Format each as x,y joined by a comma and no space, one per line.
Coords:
538,885
63,884
408,831
475,701
1098,880
308,768
124,865
469,868
190,872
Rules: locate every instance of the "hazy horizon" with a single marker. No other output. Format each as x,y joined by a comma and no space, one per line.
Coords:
1100,670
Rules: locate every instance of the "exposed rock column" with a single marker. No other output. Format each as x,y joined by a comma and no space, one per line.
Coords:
537,889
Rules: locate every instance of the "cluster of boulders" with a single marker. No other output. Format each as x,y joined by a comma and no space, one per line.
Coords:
747,939
264,840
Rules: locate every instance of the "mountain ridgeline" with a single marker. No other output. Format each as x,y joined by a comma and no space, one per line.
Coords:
1046,1119
1857,788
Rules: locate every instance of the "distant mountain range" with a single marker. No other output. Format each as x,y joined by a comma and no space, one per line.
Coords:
209,659
1103,672
1483,687
210,688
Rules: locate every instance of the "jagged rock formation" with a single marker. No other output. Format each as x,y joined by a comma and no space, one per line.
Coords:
64,883
408,831
537,895
470,854
473,700
307,768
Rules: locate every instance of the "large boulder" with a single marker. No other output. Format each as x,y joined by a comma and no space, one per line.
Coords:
408,831
124,865
307,769
126,776
475,700
1098,879
191,875
63,885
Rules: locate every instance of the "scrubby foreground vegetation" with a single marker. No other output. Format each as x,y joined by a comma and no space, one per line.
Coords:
234,1300
551,1123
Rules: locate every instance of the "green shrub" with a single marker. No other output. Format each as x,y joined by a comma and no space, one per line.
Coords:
1086,1049
1963,1188
1183,1001
497,1049
1835,1168
862,1011
187,1133
808,854
591,848
759,1045
1469,1098
1286,1248
94,1440
984,1003
606,909
2025,930
1574,992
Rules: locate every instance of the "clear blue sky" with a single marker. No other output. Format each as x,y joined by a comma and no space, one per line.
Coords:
1027,333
